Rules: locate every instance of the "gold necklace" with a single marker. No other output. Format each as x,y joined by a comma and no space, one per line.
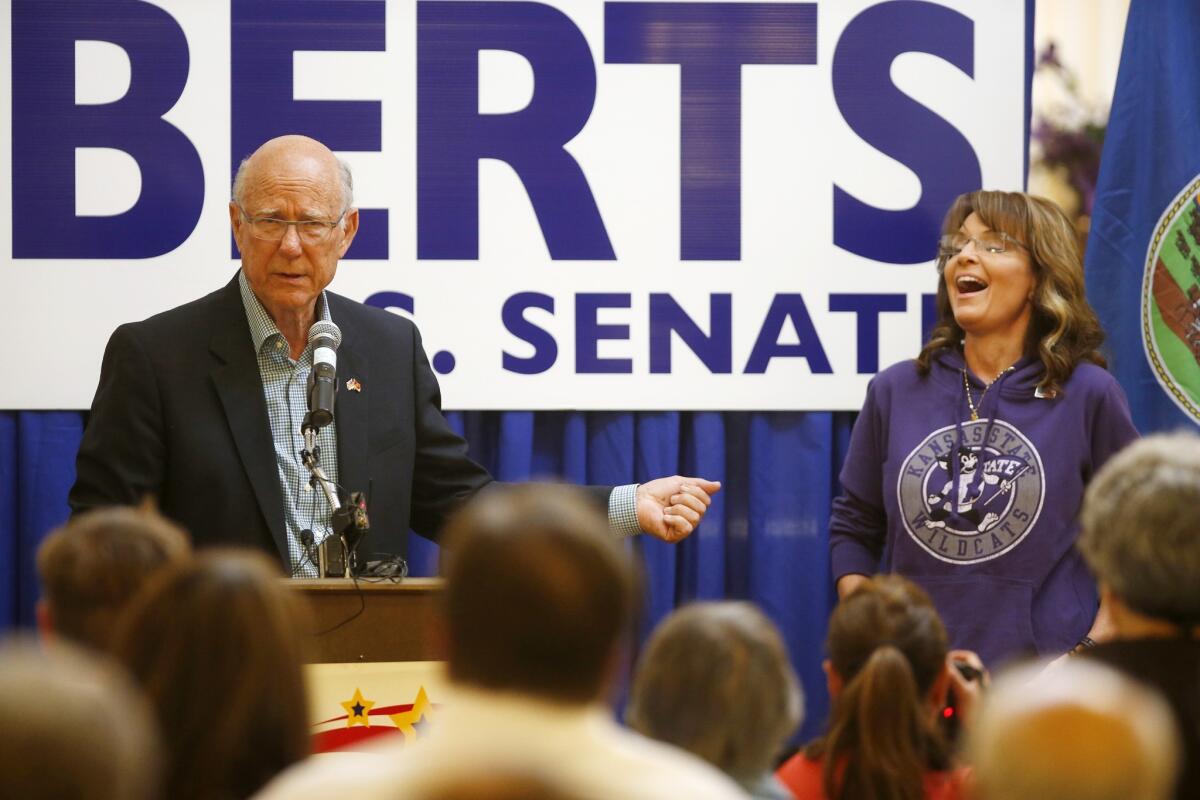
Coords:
967,388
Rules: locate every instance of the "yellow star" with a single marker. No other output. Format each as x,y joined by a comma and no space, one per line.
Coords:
406,720
357,708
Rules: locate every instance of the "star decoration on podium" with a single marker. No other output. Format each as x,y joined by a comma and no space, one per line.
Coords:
407,721
356,709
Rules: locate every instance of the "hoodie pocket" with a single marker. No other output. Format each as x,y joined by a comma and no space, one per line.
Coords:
991,615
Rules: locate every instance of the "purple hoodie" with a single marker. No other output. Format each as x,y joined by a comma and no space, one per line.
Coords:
982,514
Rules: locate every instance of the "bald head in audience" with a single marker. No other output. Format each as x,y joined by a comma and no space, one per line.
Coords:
72,726
1078,731
92,566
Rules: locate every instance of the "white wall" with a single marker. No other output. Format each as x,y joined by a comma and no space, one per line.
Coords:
1088,36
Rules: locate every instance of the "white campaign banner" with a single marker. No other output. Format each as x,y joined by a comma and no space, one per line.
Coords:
582,204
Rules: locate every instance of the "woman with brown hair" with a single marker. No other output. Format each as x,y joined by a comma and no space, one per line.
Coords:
715,679
967,466
216,646
889,673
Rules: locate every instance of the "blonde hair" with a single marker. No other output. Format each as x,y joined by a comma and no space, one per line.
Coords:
1073,731
1063,330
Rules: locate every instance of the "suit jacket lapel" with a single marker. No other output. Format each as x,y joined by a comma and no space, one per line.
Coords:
353,399
239,386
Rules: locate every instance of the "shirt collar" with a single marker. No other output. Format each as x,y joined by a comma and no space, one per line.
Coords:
262,327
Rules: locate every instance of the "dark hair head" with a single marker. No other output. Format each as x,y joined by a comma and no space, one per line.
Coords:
93,565
715,679
72,725
1063,329
887,643
215,644
538,593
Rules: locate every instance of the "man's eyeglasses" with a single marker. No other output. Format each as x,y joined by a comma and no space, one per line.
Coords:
311,231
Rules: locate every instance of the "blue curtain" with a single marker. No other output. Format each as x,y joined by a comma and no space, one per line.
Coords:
765,538
37,468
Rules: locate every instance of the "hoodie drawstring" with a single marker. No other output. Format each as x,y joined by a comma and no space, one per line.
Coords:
994,389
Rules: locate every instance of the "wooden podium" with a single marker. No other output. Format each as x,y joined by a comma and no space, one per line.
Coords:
372,620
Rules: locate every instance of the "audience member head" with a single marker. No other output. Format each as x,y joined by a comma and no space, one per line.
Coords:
1141,534
715,679
215,643
887,680
72,725
92,566
538,594
1076,731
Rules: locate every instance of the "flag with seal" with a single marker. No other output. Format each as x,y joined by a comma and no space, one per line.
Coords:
1143,253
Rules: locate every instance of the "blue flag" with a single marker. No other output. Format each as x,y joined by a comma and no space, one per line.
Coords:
1143,254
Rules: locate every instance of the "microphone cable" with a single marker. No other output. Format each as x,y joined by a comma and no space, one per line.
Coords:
362,605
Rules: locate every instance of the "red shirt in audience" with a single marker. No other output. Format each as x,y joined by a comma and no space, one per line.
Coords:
802,777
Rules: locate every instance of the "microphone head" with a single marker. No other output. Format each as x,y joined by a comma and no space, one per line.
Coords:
306,537
327,330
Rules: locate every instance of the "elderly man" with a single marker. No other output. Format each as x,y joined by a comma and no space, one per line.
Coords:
539,601
201,406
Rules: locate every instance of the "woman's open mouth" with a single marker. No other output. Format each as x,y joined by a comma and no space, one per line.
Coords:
969,284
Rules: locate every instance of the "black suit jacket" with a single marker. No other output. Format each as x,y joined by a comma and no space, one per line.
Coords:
180,414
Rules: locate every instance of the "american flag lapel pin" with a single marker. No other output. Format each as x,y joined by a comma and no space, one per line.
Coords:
353,385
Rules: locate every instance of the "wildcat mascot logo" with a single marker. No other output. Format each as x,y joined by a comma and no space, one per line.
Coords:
971,500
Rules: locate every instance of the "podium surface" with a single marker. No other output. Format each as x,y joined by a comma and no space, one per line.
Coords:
371,621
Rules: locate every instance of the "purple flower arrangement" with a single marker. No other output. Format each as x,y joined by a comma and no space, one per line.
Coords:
1071,135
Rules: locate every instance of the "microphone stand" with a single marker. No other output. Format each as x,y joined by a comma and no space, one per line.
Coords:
310,456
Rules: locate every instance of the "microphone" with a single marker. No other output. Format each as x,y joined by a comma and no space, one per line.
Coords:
322,381
306,541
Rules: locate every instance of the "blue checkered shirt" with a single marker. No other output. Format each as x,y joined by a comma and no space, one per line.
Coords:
622,510
285,385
